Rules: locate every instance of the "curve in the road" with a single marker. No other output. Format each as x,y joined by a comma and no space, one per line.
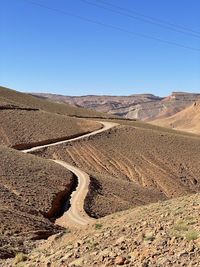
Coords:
106,126
76,212
76,215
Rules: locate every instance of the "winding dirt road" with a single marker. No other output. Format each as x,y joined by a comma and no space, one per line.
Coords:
106,126
76,214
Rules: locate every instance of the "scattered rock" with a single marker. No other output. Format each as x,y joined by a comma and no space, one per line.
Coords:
119,260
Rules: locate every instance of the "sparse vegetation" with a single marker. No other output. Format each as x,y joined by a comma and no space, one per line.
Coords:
191,235
20,257
98,226
149,237
49,106
67,230
181,226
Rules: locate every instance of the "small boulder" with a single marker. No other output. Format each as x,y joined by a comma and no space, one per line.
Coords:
119,260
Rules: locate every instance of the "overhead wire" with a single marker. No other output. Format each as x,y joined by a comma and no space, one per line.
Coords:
105,25
140,19
131,11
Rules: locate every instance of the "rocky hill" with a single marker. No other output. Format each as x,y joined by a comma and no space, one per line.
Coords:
141,106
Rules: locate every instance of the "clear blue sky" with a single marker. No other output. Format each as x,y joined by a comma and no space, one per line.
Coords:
44,50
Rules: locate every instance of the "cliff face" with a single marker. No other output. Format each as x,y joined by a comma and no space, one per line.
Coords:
141,106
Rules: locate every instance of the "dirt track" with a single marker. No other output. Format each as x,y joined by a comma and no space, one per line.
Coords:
106,126
76,214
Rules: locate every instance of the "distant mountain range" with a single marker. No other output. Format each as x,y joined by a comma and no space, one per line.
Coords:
145,107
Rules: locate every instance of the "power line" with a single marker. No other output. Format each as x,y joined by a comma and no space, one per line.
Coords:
149,17
105,25
139,18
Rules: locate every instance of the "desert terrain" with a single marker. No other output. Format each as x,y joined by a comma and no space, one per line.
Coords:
186,120
81,188
120,159
145,107
22,99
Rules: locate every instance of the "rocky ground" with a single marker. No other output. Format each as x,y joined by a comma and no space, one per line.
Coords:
32,191
158,235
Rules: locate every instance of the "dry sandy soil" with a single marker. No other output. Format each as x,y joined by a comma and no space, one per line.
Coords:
165,234
22,128
31,189
131,166
186,120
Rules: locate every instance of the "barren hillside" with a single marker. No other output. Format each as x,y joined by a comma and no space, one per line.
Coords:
45,105
22,128
24,121
186,120
31,189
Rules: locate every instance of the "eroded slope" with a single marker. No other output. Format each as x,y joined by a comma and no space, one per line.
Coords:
31,189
